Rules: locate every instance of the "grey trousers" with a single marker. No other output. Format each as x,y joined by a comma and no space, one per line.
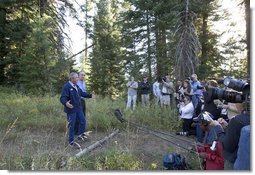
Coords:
145,99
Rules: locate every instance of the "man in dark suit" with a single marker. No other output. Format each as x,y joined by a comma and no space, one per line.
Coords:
70,98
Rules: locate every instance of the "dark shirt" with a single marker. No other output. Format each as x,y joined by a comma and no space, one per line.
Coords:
232,135
210,106
145,87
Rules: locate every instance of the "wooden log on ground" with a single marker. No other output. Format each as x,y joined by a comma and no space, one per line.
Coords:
96,144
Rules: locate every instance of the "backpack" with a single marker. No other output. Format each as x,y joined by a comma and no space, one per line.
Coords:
174,161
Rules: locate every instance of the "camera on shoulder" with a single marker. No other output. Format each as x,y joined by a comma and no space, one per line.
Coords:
240,92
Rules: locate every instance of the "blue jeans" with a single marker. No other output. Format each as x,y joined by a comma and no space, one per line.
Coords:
195,99
79,116
243,154
199,134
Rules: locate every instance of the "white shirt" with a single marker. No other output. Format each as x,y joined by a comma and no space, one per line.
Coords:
186,112
74,86
156,89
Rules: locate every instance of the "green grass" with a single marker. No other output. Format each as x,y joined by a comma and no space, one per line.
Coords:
31,112
47,112
117,160
25,114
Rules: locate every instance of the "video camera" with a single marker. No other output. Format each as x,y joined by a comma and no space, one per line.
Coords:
240,95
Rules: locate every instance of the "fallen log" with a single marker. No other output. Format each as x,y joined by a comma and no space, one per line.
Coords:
96,144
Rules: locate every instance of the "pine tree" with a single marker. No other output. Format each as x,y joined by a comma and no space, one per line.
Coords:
106,64
31,33
210,57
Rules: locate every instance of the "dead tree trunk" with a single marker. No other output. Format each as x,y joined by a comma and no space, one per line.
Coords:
98,143
188,45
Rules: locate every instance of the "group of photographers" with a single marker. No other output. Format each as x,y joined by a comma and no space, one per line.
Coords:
222,144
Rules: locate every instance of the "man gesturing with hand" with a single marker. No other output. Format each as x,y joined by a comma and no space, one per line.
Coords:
71,99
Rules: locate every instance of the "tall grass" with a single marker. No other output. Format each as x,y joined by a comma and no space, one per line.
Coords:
33,112
45,114
155,117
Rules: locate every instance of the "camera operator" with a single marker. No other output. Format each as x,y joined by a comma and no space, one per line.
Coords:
209,104
167,85
211,152
231,137
177,93
183,91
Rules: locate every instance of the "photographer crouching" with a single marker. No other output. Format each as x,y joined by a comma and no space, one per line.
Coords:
231,139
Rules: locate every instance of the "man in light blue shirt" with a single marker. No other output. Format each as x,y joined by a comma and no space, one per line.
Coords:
197,93
83,87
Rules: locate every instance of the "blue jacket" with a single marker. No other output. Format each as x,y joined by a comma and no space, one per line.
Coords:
243,154
70,93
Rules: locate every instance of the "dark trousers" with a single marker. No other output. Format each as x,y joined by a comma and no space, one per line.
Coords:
83,105
171,100
186,125
72,118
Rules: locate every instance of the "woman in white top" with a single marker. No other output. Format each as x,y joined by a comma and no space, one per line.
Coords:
186,112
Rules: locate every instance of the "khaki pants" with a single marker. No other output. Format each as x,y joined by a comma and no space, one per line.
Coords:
145,99
130,99
158,100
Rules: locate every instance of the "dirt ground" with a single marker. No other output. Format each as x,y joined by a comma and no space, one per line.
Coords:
146,147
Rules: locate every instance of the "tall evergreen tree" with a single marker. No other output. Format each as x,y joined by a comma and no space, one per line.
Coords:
106,64
210,57
31,33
